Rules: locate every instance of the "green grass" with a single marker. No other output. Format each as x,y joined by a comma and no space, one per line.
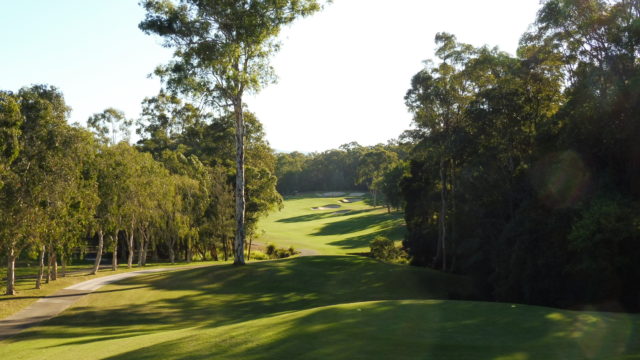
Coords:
28,294
321,307
327,232
338,307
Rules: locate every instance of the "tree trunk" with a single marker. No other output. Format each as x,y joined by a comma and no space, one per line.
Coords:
49,259
214,252
11,271
114,259
54,264
249,248
41,267
189,250
63,264
145,247
238,244
172,255
96,266
442,233
453,217
140,248
224,248
130,248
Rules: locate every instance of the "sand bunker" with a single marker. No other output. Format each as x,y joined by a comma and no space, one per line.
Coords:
326,207
332,194
340,212
356,194
347,201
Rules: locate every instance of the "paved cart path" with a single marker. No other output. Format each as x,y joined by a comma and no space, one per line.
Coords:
52,305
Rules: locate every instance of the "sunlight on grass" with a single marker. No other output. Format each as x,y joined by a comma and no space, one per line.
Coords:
329,231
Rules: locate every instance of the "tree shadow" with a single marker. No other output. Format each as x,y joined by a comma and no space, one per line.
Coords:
399,330
359,223
322,215
223,295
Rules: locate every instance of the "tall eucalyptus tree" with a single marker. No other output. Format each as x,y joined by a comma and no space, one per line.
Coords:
222,51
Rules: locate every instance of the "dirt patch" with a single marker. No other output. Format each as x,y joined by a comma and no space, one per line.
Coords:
327,207
348,201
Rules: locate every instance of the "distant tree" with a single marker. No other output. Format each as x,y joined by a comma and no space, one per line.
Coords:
374,163
222,52
111,126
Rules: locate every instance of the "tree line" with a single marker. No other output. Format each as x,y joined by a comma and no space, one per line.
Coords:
352,167
175,185
64,186
525,170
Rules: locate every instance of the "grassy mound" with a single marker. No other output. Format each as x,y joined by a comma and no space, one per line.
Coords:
315,308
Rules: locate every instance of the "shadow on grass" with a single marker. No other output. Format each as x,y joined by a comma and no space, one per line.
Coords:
395,233
359,223
404,330
322,215
223,295
75,294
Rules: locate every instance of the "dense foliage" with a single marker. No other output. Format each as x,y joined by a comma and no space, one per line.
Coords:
66,189
351,167
525,172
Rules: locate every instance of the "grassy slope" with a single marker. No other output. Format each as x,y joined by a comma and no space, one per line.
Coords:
338,307
326,232
314,308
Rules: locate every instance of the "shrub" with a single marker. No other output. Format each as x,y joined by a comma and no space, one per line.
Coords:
385,249
271,250
259,255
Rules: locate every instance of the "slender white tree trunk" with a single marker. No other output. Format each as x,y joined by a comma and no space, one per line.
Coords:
130,248
238,244
49,259
11,271
96,266
43,249
114,260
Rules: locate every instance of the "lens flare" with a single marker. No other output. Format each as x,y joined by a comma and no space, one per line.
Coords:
561,179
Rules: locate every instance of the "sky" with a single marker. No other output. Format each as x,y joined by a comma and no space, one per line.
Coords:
342,73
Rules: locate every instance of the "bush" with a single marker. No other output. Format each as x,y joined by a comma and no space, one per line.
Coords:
385,249
279,253
271,250
259,255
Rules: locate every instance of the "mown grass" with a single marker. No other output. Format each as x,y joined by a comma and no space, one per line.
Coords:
326,231
28,294
338,307
321,307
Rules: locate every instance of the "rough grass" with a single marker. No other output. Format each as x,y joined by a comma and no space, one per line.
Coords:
28,294
329,232
316,308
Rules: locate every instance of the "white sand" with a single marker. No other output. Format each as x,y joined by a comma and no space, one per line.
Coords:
333,194
326,207
347,201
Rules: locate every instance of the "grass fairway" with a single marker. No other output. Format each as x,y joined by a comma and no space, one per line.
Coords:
336,307
320,307
327,231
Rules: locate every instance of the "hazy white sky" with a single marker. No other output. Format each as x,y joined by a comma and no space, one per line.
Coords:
342,73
